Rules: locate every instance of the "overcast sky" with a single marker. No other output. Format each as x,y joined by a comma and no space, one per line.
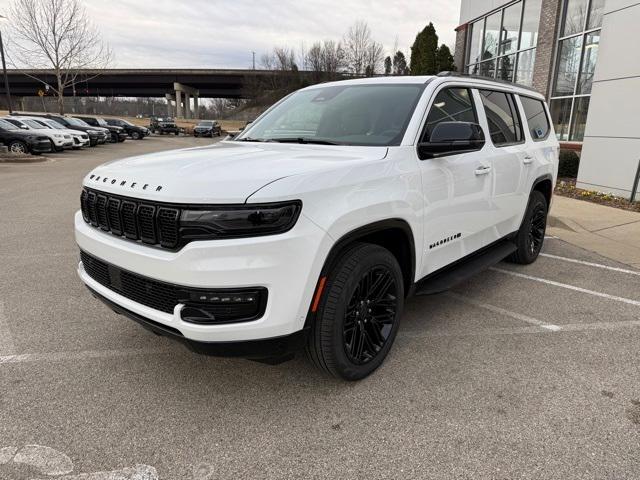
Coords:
222,33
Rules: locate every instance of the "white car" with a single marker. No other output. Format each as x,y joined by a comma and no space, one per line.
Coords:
310,228
80,139
60,139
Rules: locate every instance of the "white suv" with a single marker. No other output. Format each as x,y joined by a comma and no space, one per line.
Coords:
312,227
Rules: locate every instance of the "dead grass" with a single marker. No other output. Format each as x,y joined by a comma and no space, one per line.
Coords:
566,187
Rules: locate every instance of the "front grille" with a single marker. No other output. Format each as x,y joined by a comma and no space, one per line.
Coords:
151,223
201,305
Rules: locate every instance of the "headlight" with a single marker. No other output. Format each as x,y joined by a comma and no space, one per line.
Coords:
239,221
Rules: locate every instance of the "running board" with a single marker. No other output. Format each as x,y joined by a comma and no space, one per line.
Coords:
451,276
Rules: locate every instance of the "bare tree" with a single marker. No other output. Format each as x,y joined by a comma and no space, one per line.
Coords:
56,35
374,58
357,46
325,59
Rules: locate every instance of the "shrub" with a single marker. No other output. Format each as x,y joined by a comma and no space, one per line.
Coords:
569,163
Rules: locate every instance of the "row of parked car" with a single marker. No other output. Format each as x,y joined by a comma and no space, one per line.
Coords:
37,133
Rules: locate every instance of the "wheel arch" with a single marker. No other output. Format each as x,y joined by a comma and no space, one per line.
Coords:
544,185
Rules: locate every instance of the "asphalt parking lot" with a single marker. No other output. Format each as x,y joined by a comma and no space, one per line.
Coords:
522,372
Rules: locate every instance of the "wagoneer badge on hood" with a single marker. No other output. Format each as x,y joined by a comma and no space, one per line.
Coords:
125,183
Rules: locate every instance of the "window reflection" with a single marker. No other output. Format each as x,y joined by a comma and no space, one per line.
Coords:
568,66
530,23
524,73
491,34
505,67
560,116
579,121
589,62
477,34
595,14
510,28
575,16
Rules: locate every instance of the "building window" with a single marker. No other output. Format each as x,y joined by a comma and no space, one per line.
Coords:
576,62
499,42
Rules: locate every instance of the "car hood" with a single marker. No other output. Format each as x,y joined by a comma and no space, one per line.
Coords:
227,172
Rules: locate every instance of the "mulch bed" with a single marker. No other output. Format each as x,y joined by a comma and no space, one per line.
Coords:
566,187
21,158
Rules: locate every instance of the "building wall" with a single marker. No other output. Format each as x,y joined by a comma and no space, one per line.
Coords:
545,53
461,43
472,9
611,148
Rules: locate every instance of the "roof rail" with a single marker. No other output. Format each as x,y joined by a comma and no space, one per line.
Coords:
488,79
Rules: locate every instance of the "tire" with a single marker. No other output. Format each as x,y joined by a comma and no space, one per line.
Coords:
195,135
351,337
18,146
530,237
177,133
135,136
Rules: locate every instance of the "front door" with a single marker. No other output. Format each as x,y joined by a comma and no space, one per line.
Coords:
457,187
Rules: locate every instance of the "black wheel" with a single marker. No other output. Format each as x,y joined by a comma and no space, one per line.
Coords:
359,314
177,133
530,237
135,135
17,146
195,134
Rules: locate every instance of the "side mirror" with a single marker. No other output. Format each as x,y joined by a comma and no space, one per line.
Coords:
24,127
449,138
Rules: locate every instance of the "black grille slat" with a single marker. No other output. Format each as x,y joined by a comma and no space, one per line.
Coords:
168,227
152,224
164,297
129,223
147,223
113,211
92,198
101,212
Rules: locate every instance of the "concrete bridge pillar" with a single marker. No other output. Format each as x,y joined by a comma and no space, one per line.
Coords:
196,107
188,93
170,99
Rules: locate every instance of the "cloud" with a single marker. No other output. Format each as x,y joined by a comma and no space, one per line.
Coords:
223,33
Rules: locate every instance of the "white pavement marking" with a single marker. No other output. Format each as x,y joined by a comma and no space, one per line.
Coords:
508,313
46,460
591,264
7,345
550,237
569,287
139,472
82,355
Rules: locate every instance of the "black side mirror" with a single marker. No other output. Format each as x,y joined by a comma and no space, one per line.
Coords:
449,138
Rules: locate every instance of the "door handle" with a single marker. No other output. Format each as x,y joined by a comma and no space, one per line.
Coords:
483,170
527,160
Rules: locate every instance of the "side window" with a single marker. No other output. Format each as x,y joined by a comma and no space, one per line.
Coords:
503,118
537,119
450,105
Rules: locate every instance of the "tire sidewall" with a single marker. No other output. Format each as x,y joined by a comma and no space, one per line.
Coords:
536,199
335,313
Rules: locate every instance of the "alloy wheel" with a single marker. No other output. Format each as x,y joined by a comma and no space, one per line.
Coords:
537,229
18,147
370,315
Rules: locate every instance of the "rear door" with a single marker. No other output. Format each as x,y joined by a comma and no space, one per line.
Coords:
507,149
457,187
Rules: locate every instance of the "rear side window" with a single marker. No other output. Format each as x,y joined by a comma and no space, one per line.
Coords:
450,105
505,127
537,119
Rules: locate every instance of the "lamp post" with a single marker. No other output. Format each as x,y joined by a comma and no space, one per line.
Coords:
4,70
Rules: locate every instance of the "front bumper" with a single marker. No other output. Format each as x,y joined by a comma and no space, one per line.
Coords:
40,146
287,265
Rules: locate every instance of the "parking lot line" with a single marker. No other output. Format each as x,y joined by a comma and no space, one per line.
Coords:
508,313
7,345
81,355
590,264
567,286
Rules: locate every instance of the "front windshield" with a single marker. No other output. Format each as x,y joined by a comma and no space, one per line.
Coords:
76,121
53,124
205,123
101,122
126,122
32,124
7,125
367,115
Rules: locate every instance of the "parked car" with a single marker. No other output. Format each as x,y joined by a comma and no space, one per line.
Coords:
117,134
80,139
313,226
163,125
60,139
207,128
97,136
20,141
136,132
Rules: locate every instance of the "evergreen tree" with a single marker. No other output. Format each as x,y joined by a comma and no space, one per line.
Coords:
423,52
400,64
387,66
444,59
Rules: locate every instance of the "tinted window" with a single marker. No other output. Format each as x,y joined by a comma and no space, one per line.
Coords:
536,118
450,105
502,116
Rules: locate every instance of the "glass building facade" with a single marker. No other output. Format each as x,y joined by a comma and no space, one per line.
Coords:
577,53
503,43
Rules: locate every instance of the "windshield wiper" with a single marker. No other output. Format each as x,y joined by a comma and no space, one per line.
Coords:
304,140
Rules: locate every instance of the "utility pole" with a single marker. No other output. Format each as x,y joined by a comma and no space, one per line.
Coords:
4,71
254,60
